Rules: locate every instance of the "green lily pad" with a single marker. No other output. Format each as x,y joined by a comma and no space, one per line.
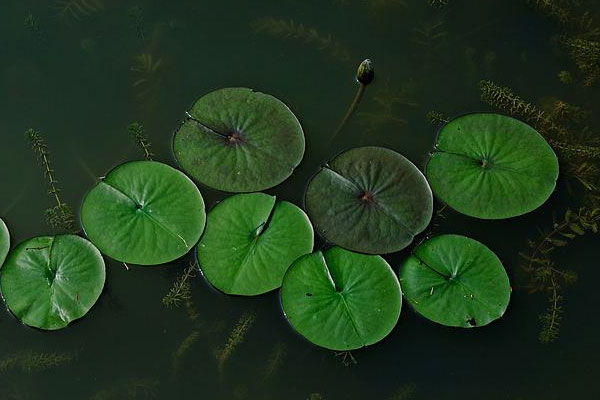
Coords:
239,140
369,199
341,300
250,241
455,281
492,166
144,213
4,241
49,281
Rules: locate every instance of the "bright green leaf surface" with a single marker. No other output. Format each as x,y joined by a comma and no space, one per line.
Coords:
4,241
239,140
455,281
369,199
49,281
341,300
492,166
250,241
144,213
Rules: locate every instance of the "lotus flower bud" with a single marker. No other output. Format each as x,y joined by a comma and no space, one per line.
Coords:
365,72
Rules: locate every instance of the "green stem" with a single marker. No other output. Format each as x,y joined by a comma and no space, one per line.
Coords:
351,109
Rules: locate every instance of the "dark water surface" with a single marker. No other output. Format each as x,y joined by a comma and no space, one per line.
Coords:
72,80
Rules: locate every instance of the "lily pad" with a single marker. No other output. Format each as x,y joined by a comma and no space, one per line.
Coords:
49,281
250,241
341,300
369,199
455,281
239,140
492,166
4,241
144,213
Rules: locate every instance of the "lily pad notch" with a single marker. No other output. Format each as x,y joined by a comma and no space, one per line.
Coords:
239,140
369,199
250,241
49,281
144,213
341,300
455,281
491,166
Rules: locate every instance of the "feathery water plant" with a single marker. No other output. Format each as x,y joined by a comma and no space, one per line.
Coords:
69,10
32,361
130,389
32,24
60,216
183,349
181,291
147,72
293,30
236,337
405,392
275,360
429,34
136,15
438,3
138,136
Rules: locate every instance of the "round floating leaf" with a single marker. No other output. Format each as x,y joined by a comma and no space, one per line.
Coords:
4,241
492,166
145,213
369,199
49,281
341,300
239,140
250,241
455,281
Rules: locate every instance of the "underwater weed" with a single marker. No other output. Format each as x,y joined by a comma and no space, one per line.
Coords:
69,10
32,24
130,389
429,34
436,118
60,216
147,72
183,348
297,31
405,392
346,357
138,136
136,15
181,290
236,337
438,3
31,361
274,361
586,56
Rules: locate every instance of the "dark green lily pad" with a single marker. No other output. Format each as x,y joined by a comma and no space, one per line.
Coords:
239,140
4,241
492,166
341,300
145,213
250,241
49,281
455,281
369,199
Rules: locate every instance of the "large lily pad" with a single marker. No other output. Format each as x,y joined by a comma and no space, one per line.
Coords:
341,300
4,241
492,166
455,281
250,241
369,199
239,140
49,281
145,213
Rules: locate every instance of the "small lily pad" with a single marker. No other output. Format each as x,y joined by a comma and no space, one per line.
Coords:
144,213
4,241
49,281
369,199
492,166
341,300
250,241
239,140
455,281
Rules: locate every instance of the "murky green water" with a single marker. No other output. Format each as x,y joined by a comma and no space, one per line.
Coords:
73,80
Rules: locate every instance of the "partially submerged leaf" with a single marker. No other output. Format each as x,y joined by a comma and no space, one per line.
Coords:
145,213
492,166
250,241
455,281
49,281
239,140
341,300
4,241
369,199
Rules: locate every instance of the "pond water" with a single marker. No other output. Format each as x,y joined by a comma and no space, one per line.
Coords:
81,79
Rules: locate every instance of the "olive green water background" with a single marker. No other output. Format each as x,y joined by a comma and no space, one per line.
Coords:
73,82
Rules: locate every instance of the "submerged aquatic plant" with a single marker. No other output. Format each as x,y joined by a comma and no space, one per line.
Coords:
69,10
405,392
32,24
438,3
138,136
586,56
147,72
181,290
429,34
274,361
236,337
32,361
130,389
136,15
183,349
388,101
61,215
346,357
293,30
